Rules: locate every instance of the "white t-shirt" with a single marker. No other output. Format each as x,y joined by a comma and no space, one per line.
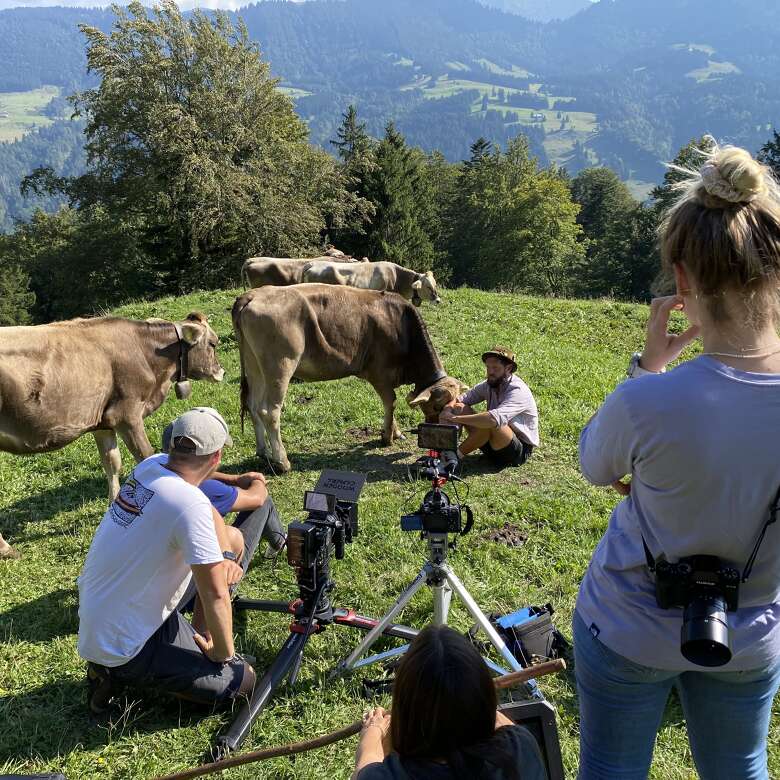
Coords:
138,565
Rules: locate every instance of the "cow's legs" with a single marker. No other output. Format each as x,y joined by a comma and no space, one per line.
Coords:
110,458
134,436
271,413
6,551
255,401
390,429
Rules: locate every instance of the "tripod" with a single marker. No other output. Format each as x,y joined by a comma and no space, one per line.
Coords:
437,574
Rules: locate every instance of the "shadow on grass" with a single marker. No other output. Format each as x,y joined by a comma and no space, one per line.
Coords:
49,616
52,720
362,458
43,506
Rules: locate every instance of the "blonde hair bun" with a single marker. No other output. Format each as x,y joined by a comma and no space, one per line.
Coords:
732,174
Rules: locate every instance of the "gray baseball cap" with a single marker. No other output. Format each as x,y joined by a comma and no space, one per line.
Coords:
203,426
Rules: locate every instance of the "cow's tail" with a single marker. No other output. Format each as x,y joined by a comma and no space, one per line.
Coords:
245,275
238,307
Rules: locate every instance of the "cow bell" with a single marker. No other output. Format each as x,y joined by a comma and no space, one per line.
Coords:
183,389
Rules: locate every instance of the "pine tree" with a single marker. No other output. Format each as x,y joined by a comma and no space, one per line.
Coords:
770,153
397,188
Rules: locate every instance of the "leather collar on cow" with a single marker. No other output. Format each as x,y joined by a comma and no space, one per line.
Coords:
420,386
416,299
182,387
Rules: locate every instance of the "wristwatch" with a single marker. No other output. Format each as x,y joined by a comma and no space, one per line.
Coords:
229,555
635,370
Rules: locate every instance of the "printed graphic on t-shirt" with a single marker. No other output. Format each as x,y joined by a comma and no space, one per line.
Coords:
130,502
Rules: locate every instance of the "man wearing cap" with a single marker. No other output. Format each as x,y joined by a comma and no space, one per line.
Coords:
159,533
508,430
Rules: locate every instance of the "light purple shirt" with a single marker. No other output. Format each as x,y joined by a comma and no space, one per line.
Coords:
701,445
510,404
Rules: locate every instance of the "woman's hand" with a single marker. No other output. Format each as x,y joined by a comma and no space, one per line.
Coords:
376,723
374,745
662,347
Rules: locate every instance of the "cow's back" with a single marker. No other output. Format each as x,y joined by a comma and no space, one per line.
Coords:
271,271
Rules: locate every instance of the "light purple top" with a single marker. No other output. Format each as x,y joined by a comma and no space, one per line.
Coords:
510,404
701,445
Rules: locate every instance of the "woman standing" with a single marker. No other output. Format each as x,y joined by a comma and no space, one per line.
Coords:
701,444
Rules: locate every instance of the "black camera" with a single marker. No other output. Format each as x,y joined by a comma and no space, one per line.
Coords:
331,523
436,515
706,589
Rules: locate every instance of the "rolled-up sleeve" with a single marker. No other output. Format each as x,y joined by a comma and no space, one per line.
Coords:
608,443
476,395
516,401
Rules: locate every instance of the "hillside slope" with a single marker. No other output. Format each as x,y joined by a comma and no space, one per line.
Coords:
51,504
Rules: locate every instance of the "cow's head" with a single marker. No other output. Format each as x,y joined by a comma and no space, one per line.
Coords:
201,340
424,289
434,398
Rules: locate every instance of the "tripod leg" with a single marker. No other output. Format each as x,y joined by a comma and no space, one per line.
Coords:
348,663
442,597
264,688
479,617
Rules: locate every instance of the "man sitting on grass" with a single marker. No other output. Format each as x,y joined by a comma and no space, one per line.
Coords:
159,533
508,430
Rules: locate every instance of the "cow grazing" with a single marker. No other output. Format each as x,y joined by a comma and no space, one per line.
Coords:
263,271
101,375
375,276
316,332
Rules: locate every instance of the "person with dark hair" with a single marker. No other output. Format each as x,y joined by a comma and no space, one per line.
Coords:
444,723
700,444
508,430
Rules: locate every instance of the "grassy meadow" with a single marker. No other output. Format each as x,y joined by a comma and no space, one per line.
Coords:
572,353
20,112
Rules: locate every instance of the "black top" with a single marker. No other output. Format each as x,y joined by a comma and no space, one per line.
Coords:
519,741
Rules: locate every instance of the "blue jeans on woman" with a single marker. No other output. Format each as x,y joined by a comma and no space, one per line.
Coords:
621,705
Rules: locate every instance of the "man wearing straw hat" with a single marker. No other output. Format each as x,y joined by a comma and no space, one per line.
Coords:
508,430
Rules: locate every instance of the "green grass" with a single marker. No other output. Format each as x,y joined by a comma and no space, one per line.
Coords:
572,354
713,71
23,110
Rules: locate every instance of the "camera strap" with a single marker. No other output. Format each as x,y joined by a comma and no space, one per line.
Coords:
774,510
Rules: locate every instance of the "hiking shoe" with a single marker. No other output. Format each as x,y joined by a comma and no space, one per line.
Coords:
100,690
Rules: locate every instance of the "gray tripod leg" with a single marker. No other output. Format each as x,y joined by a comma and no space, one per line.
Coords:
442,597
350,661
479,617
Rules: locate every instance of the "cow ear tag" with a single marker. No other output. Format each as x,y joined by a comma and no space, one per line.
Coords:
183,389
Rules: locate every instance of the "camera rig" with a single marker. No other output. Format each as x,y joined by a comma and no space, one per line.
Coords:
331,522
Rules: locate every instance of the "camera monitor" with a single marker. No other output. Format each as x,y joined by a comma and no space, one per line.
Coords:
434,436
344,485
319,502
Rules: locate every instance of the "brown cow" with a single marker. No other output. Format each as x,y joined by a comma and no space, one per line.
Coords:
101,375
315,332
260,271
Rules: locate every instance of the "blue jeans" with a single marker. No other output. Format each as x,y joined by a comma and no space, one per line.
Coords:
621,705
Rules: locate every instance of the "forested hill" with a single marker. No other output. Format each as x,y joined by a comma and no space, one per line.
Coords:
624,83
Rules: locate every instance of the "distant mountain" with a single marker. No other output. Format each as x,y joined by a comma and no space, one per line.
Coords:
623,83
540,10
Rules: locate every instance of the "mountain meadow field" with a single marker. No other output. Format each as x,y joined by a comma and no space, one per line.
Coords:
571,353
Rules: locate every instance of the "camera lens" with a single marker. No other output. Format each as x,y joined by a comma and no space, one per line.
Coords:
705,632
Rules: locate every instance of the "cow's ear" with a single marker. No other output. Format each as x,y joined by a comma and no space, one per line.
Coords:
192,332
416,400
429,274
197,316
417,285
